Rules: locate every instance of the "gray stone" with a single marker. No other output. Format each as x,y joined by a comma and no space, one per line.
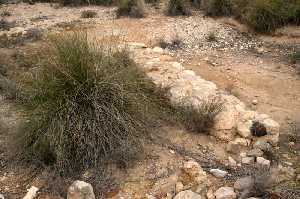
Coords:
244,183
255,153
225,193
218,173
262,145
188,194
80,190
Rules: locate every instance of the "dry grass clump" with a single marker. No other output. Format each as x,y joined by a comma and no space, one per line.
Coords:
200,118
131,8
88,14
177,7
5,25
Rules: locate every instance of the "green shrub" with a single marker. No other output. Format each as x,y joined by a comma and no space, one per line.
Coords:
219,8
88,14
177,7
132,8
266,15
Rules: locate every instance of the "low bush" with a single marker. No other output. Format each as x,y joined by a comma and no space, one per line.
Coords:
295,57
200,118
88,14
218,7
174,44
177,7
5,13
132,8
211,37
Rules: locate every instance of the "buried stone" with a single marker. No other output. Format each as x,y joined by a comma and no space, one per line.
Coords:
258,129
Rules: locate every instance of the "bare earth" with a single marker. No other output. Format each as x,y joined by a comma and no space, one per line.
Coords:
251,67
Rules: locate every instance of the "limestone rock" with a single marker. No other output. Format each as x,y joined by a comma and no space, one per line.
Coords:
248,160
243,128
263,162
244,183
158,50
218,173
188,194
225,193
31,193
179,187
194,172
262,145
210,194
80,190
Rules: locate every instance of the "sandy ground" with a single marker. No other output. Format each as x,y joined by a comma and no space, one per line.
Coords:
252,67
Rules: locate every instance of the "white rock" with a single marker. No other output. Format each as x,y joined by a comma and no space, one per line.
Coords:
263,162
137,45
255,102
218,173
255,153
232,162
158,50
242,141
225,193
188,194
243,128
248,160
148,196
31,193
80,190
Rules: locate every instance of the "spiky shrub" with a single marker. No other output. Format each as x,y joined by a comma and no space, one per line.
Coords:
177,7
218,8
88,14
85,2
132,8
86,103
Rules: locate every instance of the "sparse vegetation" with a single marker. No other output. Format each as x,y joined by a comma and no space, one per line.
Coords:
5,13
262,15
177,7
212,37
295,57
88,14
132,8
5,25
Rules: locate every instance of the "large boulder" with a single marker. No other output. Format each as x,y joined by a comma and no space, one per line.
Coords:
80,190
192,173
244,183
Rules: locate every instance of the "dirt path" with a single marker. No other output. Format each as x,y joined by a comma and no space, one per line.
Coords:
250,67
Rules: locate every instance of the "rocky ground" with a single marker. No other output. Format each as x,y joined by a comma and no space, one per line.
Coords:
204,58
